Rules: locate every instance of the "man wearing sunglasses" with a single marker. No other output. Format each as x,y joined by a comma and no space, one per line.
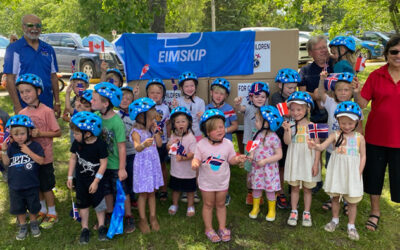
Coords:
31,55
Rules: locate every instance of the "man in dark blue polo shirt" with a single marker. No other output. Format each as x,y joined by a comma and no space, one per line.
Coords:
31,55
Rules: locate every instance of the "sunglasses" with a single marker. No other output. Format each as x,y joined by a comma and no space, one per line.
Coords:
394,52
31,25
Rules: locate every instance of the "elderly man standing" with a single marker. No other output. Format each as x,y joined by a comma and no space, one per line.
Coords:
31,55
317,48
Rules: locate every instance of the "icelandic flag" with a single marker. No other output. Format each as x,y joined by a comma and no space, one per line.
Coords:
145,68
117,217
160,126
251,145
80,88
330,82
177,149
318,130
229,113
174,84
74,213
360,63
96,46
283,109
4,137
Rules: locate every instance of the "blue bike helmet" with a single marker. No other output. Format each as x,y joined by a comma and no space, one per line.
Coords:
116,71
300,97
181,110
87,95
187,76
346,41
109,91
257,87
272,116
140,105
287,75
222,82
31,79
332,79
20,120
79,76
349,109
207,115
157,81
87,121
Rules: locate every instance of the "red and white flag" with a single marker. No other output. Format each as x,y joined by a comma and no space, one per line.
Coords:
96,46
282,108
251,145
229,113
145,68
360,63
173,150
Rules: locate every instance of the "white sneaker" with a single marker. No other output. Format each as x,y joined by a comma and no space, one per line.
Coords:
292,221
307,222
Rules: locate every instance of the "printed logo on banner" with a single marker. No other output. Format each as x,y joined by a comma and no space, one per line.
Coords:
262,56
243,91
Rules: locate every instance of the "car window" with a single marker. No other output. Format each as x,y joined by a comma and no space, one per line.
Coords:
65,40
53,40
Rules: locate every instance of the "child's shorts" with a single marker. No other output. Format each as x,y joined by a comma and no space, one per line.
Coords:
306,184
163,153
110,182
352,200
46,177
22,200
182,185
83,198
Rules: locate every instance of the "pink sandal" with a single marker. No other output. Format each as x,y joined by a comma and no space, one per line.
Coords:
225,234
213,236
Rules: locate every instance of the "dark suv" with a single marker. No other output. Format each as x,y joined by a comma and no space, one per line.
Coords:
68,47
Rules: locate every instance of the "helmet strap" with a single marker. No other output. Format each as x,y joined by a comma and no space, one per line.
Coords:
214,141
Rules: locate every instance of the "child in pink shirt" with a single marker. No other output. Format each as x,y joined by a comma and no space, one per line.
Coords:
212,157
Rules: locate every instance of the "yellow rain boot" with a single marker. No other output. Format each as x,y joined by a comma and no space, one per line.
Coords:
271,211
256,208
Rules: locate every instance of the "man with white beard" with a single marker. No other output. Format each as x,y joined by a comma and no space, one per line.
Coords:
31,55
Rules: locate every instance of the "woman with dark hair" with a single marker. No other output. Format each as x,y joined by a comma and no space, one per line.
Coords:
382,133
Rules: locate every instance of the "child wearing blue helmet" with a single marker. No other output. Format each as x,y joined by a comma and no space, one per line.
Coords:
89,162
23,158
302,168
155,90
343,50
147,174
346,164
264,175
79,82
112,75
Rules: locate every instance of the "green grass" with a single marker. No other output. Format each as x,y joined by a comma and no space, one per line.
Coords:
188,233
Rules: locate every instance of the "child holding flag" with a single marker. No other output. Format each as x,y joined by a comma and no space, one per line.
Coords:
4,136
79,82
287,80
89,161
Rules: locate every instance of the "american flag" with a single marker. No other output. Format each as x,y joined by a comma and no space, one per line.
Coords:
174,84
318,130
145,68
330,82
360,64
251,145
282,108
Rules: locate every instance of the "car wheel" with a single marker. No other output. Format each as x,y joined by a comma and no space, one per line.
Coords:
88,68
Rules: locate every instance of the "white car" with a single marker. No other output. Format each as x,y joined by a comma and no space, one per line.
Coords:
3,45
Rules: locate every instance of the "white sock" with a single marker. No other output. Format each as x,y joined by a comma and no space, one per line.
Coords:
335,220
294,211
43,208
52,210
351,226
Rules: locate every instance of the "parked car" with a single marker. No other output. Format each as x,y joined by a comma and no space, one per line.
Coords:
3,45
69,47
368,49
374,36
97,38
303,38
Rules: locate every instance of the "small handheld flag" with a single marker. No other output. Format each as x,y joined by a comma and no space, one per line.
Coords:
229,113
318,130
251,145
330,81
74,213
360,64
73,66
174,87
282,108
173,150
145,68
96,46
80,88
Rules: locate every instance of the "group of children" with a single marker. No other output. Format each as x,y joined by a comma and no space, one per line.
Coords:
133,144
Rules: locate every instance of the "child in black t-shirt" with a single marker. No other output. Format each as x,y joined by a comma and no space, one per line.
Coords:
23,157
89,159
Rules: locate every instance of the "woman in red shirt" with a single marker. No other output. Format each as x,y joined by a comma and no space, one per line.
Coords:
382,132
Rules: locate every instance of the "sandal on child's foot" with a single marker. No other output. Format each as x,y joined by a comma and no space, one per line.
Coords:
213,236
224,234
172,209
154,224
190,211
345,209
327,205
144,226
163,196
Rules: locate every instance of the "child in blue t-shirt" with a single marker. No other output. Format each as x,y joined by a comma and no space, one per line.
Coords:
23,158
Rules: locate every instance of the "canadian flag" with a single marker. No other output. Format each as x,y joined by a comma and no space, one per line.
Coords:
283,109
360,63
145,68
96,46
251,145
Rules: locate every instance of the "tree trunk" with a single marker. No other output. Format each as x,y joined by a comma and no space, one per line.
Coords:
394,14
159,10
